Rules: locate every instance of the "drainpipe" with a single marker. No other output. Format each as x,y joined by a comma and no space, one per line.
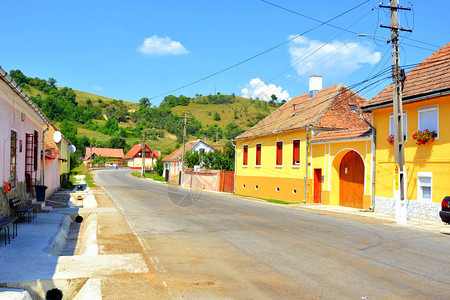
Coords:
306,164
374,132
43,155
234,186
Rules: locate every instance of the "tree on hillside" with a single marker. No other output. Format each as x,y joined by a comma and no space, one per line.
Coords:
117,143
216,116
145,102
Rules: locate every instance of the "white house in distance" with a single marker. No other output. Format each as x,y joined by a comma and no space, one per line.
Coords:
21,121
172,162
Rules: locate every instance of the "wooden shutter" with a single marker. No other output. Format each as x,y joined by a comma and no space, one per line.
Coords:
258,154
296,152
245,158
279,161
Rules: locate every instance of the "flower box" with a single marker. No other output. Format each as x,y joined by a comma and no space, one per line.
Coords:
390,139
424,136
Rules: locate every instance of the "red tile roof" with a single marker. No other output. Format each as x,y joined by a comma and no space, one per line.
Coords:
105,152
430,76
176,155
328,109
341,134
138,149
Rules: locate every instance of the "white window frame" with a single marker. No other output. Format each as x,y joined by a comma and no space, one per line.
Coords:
405,124
299,153
419,186
426,109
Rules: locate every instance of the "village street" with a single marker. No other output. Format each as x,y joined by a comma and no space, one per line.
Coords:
204,246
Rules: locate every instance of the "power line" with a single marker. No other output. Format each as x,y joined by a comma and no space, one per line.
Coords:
382,76
257,55
349,31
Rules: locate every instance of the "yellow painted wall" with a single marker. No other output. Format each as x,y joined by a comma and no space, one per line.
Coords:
433,157
268,177
328,157
64,152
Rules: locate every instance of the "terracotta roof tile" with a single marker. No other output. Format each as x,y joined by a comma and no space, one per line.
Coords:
105,152
176,155
341,134
430,76
138,148
328,109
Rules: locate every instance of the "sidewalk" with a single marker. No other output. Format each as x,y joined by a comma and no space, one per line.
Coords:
440,227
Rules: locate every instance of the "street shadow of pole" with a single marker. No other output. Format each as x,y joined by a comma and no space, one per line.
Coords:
184,197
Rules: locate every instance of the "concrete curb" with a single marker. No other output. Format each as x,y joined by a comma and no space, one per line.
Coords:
14,294
88,236
89,202
91,290
59,242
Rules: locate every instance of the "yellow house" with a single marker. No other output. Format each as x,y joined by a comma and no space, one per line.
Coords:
295,154
58,143
426,104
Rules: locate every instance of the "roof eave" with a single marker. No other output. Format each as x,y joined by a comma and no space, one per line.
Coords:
408,100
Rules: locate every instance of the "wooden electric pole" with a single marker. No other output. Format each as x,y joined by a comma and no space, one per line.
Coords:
399,140
143,155
184,144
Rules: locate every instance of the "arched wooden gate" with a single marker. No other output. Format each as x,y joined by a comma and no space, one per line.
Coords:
351,180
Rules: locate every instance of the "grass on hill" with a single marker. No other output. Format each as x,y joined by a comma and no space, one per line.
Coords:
247,112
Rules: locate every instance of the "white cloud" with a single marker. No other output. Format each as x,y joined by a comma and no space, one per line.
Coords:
336,59
258,89
156,45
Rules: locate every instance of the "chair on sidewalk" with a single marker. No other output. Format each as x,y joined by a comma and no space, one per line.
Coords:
21,210
5,222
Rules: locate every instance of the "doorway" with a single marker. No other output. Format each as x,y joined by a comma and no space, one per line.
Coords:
317,185
351,180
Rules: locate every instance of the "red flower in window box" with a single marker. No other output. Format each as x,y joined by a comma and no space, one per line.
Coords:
390,139
424,136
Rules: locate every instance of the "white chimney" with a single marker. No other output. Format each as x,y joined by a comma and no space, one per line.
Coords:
315,84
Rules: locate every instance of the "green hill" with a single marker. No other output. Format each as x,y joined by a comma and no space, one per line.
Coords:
89,119
243,112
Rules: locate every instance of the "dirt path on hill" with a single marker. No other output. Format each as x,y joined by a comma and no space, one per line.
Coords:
115,237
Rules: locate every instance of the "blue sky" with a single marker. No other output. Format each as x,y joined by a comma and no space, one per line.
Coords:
133,49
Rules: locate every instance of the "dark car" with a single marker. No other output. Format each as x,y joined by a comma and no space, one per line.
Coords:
445,211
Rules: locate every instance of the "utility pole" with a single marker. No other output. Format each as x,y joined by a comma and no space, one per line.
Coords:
184,142
90,157
399,149
143,154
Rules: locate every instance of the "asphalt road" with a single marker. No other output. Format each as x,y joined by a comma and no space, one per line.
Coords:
205,246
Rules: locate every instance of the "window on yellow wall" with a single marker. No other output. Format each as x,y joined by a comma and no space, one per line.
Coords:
424,183
429,119
405,123
245,158
296,152
258,154
279,154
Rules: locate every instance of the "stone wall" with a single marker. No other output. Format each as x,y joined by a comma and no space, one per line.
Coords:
19,191
415,209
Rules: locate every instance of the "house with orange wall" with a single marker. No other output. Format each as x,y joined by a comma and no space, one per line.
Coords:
426,106
305,150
